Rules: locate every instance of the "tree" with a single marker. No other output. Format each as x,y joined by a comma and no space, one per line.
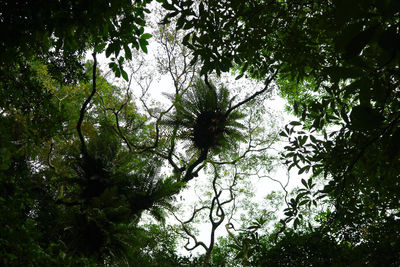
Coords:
61,167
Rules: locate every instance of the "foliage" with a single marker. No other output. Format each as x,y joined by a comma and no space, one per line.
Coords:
203,115
308,247
60,32
338,65
81,207
80,162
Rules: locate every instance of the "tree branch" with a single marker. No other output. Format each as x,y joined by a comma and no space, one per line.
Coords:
190,174
84,106
267,84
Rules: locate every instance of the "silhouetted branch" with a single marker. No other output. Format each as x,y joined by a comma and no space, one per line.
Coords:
189,233
266,87
190,174
84,106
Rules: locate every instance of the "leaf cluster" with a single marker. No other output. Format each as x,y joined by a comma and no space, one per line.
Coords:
202,117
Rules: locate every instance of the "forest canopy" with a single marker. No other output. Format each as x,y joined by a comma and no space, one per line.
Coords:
91,166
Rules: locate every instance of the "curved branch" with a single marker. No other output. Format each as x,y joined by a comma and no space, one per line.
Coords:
84,106
208,83
189,233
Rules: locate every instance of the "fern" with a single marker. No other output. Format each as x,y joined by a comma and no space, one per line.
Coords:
204,117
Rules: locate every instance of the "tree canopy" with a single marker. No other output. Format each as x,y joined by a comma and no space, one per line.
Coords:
82,158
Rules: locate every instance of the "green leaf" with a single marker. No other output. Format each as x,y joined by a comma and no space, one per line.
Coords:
317,171
239,76
109,50
245,67
282,133
172,14
344,115
288,213
304,169
304,183
143,45
117,73
168,6
301,195
303,202
180,22
313,139
185,39
295,123
201,8
128,53
124,75
296,223
303,140
146,36
188,25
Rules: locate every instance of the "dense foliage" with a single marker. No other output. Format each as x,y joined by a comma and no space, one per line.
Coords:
80,161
